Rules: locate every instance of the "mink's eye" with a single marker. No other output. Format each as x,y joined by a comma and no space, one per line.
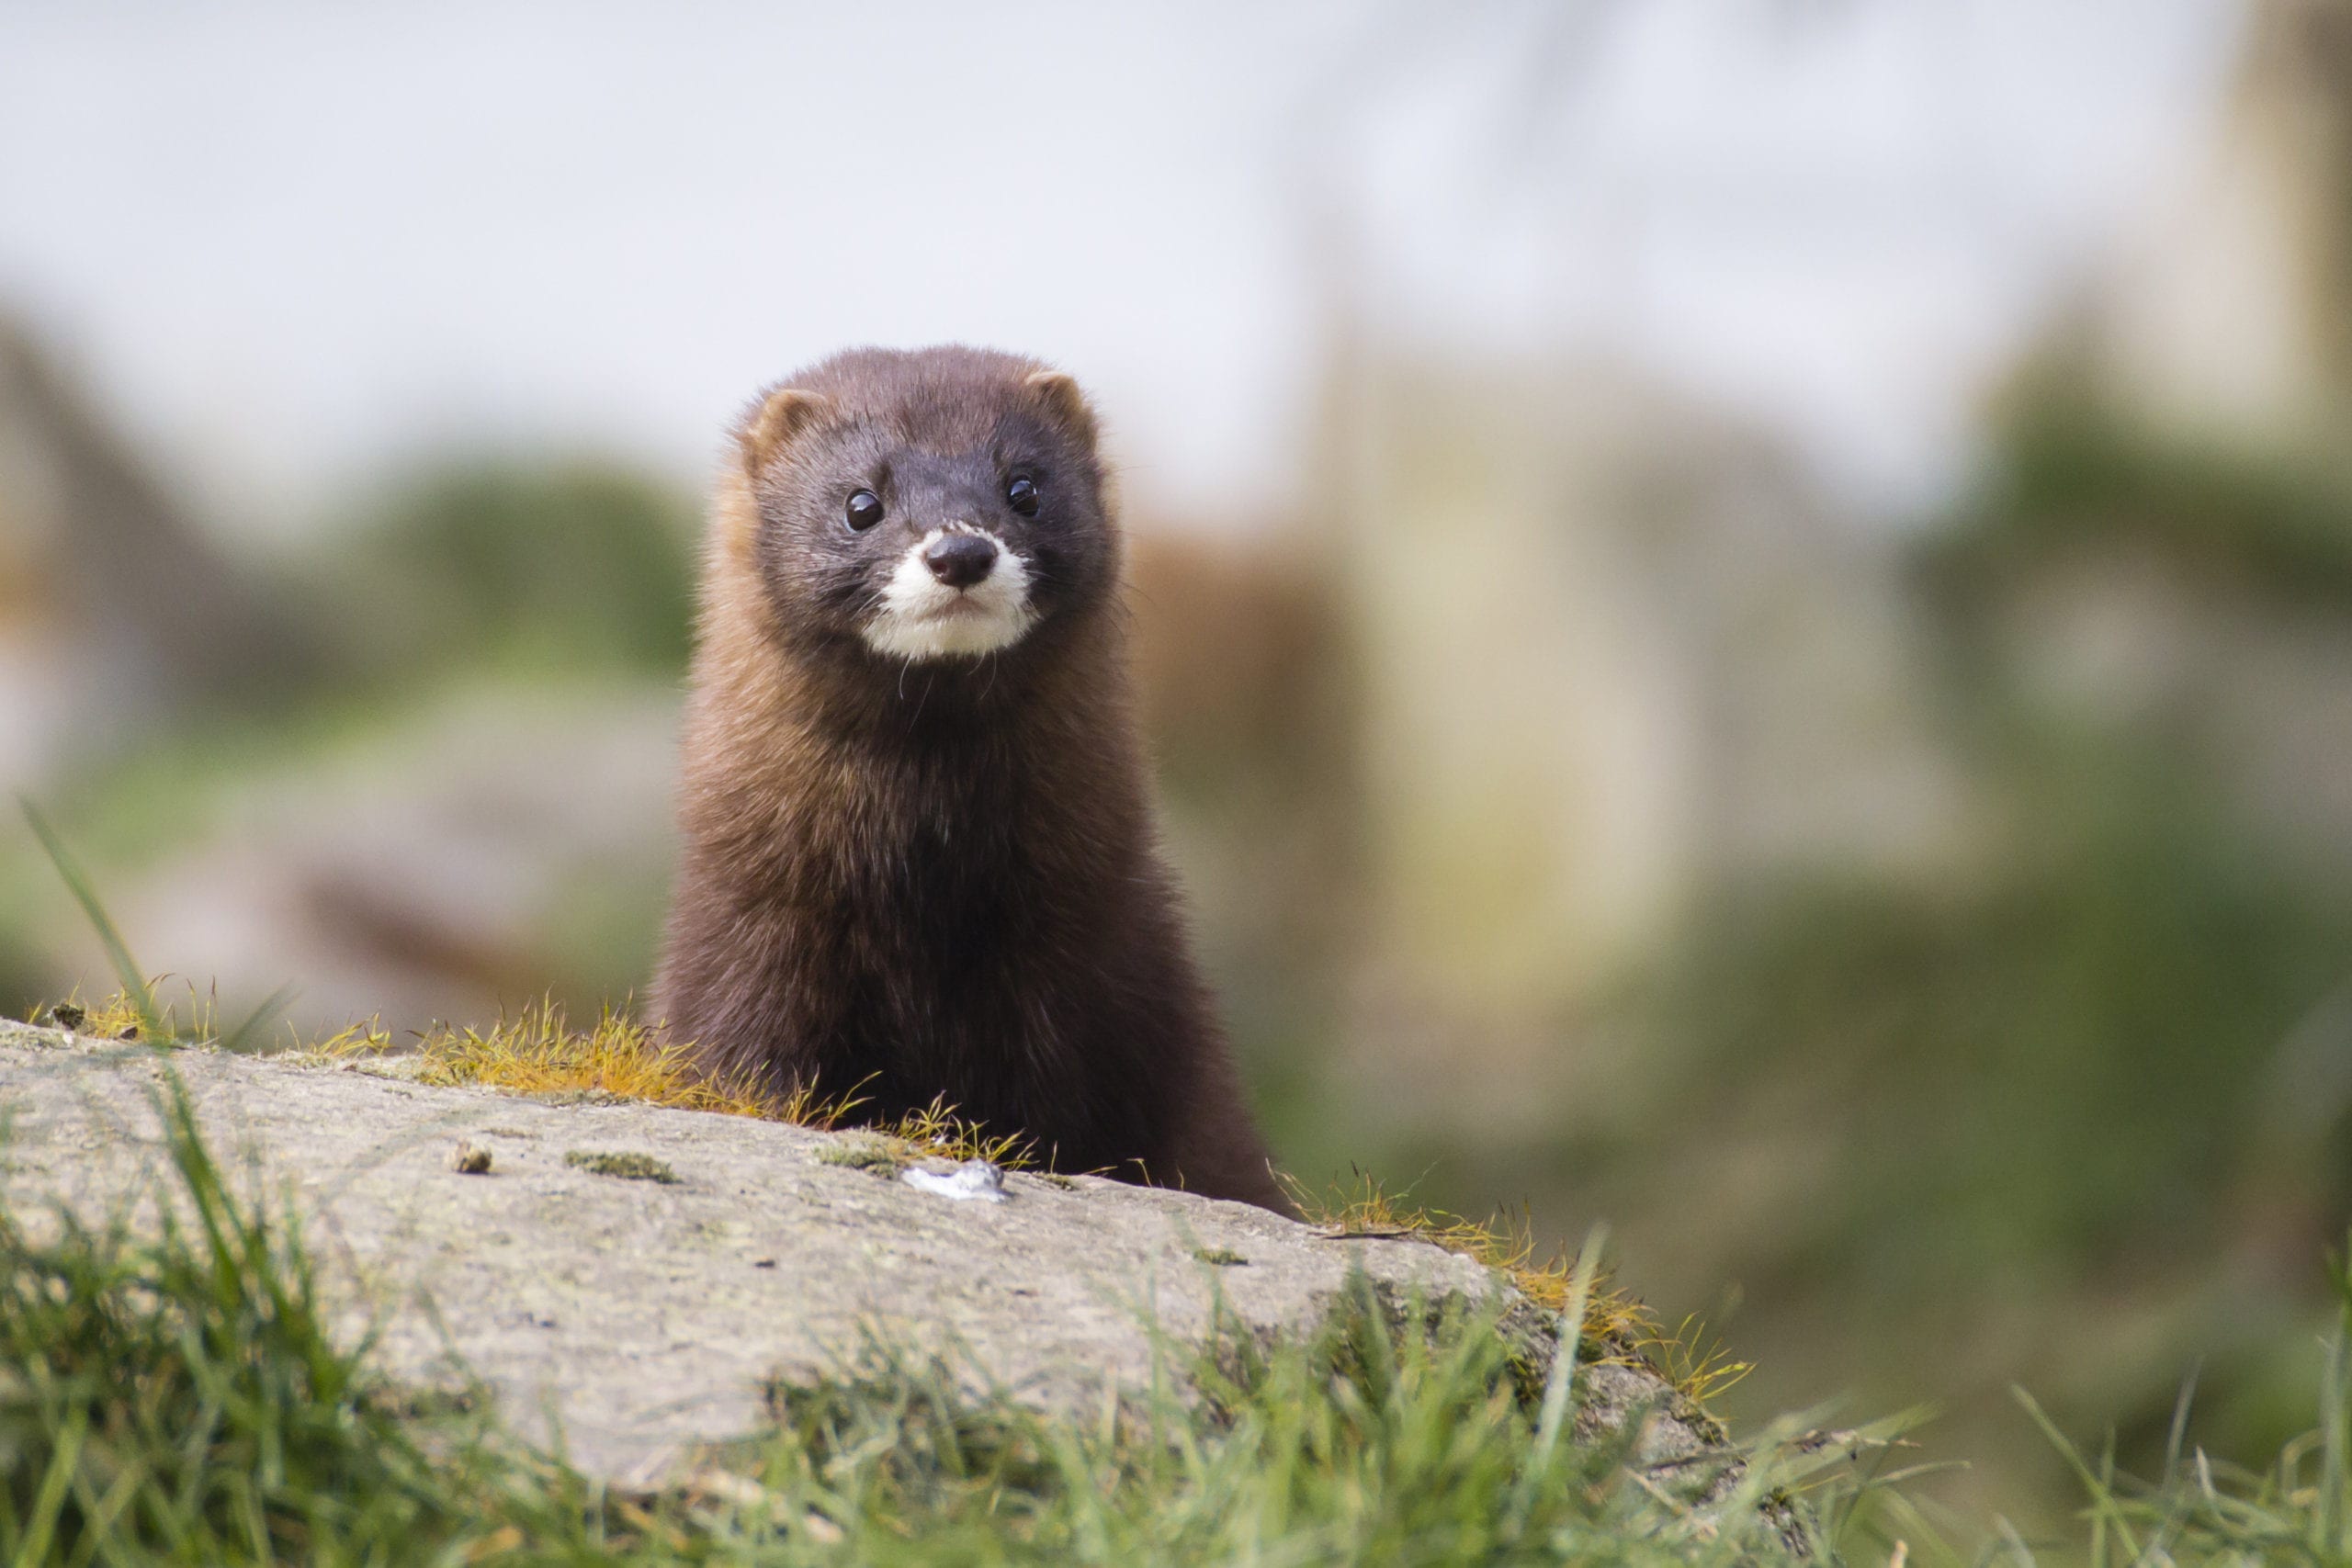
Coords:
865,510
1021,493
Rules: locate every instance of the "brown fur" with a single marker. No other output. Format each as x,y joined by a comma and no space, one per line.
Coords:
937,879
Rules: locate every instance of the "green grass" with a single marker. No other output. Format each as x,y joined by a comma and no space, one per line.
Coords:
2296,1510
177,1398
170,1394
173,1394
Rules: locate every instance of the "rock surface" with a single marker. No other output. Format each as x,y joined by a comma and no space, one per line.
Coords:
638,1304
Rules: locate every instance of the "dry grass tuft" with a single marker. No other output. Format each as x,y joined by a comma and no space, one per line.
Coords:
937,1130
536,1051
1618,1324
144,1015
119,1017
1690,1358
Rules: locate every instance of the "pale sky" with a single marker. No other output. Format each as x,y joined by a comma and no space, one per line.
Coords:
295,244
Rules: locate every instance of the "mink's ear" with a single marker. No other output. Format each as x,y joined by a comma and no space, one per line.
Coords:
786,413
1068,404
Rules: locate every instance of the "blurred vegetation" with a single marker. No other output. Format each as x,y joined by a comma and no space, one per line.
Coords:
2077,1117
2027,1099
2069,467
561,589
2068,1063
577,564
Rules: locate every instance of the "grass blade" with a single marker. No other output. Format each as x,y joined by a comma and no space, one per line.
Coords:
1562,1382
1559,1387
53,1488
2105,1508
77,882
271,1005
2176,1437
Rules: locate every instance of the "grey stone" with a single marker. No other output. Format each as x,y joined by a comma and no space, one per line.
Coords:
639,1318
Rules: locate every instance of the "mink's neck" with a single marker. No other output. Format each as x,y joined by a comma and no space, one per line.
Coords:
787,749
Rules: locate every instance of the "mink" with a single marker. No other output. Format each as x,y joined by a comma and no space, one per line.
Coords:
919,859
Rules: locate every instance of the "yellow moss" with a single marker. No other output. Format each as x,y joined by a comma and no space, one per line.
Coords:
1619,1324
536,1051
118,1017
1699,1365
937,1130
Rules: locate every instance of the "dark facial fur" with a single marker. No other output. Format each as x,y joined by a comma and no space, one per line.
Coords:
919,859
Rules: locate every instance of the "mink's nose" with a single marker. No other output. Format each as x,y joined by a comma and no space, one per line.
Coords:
960,559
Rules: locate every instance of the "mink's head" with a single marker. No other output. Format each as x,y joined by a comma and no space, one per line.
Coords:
941,504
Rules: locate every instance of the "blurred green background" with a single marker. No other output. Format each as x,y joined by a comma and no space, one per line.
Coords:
1883,851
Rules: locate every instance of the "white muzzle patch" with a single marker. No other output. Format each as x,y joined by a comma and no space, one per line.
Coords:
921,617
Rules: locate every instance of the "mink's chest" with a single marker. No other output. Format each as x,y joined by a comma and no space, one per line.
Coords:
971,951
951,914
948,902
951,989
